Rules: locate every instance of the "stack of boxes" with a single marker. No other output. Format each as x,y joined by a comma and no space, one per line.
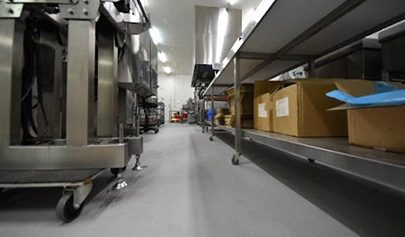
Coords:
376,127
298,108
246,94
301,108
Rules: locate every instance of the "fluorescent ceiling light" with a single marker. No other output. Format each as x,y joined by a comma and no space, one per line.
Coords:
155,34
231,2
223,20
167,70
162,57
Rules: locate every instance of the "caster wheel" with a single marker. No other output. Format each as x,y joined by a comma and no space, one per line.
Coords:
156,130
203,131
311,161
211,138
65,209
115,171
235,161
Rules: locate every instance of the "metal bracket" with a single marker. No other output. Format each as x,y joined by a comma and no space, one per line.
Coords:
10,10
82,10
135,145
80,194
123,21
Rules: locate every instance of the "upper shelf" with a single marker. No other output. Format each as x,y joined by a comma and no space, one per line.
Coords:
285,34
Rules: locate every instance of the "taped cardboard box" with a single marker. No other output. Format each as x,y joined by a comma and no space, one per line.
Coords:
246,92
246,121
301,110
263,106
219,116
378,127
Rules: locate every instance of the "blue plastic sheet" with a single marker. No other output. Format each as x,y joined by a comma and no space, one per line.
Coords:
385,95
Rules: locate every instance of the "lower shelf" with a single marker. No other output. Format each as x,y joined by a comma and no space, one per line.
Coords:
380,167
47,178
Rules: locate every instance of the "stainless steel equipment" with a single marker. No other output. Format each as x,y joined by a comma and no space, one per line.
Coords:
393,57
60,107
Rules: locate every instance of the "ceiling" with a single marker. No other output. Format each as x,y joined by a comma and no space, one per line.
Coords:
175,22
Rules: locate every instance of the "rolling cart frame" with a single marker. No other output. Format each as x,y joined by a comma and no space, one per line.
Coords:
72,163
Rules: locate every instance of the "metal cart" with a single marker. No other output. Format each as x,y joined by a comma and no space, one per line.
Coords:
161,113
149,117
76,184
68,123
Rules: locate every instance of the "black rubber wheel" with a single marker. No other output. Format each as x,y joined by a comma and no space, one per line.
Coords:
311,161
115,171
235,161
65,209
156,130
211,138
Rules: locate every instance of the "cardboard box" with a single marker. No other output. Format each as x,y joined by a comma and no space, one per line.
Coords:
380,128
219,116
377,127
301,110
246,121
263,119
263,107
228,119
246,99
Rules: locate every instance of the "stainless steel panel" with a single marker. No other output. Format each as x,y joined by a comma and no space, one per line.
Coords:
216,31
63,157
18,64
126,106
280,26
316,31
107,86
7,31
135,145
380,167
47,178
353,24
81,57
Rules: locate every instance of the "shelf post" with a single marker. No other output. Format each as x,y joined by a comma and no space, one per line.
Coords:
237,101
213,113
203,115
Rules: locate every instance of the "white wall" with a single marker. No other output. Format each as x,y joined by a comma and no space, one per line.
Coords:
174,91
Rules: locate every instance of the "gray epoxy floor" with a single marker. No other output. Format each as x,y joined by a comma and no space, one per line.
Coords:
191,189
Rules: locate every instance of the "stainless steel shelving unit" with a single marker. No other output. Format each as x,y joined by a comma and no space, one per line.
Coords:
380,167
277,41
